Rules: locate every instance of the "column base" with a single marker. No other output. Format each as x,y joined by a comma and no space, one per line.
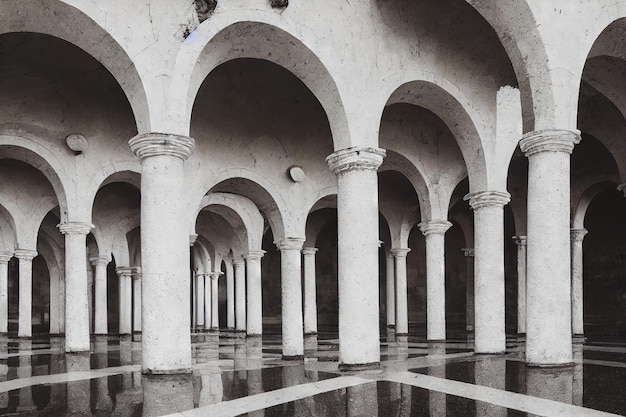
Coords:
61,334
521,337
436,341
489,353
292,357
310,333
240,334
137,337
126,336
254,336
350,367
550,365
579,338
391,326
25,337
402,334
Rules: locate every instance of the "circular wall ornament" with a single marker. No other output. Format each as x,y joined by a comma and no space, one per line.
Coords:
296,174
77,143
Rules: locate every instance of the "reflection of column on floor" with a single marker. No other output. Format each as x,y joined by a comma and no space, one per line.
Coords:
550,383
4,371
437,400
362,400
402,312
230,294
291,297
166,394
520,241
25,370
293,376
136,359
208,301
577,382
136,277
390,290
490,372
402,346
212,387
310,346
310,297
4,292
78,392
469,292
25,256
104,403
55,293
405,400
126,358
57,366
215,322
254,374
62,302
240,375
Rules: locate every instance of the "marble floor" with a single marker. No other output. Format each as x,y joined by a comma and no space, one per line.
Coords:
246,377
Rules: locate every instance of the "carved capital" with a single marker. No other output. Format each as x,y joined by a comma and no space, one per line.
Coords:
157,144
124,271
192,239
622,187
309,251
559,140
577,235
438,227
252,255
100,260
75,228
290,243
25,254
400,252
355,158
239,262
520,240
468,252
484,199
5,257
215,275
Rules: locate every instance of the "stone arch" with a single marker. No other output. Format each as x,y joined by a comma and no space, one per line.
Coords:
267,36
590,188
128,172
8,236
397,162
51,19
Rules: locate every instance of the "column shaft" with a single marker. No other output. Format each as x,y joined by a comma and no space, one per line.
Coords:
291,296
25,256
202,300
230,296
577,236
240,295
255,293
55,302
402,307
520,241
136,302
4,293
469,291
390,290
310,293
207,300
215,323
100,322
125,300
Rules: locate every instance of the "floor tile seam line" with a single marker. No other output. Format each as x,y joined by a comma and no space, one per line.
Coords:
600,362
31,353
273,398
502,398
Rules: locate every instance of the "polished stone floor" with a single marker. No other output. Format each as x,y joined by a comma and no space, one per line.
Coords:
246,377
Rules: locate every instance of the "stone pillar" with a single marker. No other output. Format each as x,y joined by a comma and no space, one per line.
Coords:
215,323
489,323
4,292
230,295
25,256
90,301
55,302
469,292
548,278
125,299
240,295
166,338
100,323
203,314
520,241
255,294
136,277
434,232
310,293
76,286
391,290
207,300
291,297
577,236
357,225
402,308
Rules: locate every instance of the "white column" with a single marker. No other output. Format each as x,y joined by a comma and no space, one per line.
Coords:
490,333
548,278
255,293
240,295
434,232
520,241
136,277
4,292
215,322
230,295
100,322
55,302
402,307
125,299
291,297
469,291
310,293
577,236
90,301
203,300
391,290
166,338
357,226
25,256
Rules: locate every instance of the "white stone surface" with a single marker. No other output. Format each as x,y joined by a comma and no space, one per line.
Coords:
230,294
402,307
100,323
4,292
291,297
254,294
25,256
577,236
520,241
310,293
390,286
240,294
215,323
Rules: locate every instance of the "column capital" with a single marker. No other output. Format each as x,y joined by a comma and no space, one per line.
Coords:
355,158
238,261
255,254
215,275
400,252
135,271
468,252
98,260
75,228
577,235
124,271
25,254
157,144
192,239
309,251
5,256
557,140
520,240
622,187
290,243
484,199
438,227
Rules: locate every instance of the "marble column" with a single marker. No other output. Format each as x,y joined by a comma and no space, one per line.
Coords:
25,257
207,300
577,236
90,301
55,301
489,321
310,293
230,295
240,295
402,307
255,293
136,277
291,297
215,323
391,290
76,286
434,232
548,269
520,241
166,338
100,323
469,291
358,245
4,292
203,299
125,299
